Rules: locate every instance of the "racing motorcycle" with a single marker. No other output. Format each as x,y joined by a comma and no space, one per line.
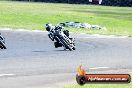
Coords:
61,38
2,42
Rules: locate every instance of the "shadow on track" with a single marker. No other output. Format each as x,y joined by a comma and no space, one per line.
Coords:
39,51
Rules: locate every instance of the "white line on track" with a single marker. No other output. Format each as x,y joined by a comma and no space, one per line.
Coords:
1,75
22,30
99,68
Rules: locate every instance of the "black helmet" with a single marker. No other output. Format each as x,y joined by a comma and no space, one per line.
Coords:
48,27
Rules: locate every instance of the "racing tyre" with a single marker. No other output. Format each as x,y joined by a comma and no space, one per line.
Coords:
74,48
2,45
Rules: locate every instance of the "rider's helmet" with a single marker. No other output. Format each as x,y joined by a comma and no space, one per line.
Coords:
48,27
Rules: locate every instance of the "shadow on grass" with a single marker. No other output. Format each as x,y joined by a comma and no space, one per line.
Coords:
116,14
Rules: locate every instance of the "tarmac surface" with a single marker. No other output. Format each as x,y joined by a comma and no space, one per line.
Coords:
31,61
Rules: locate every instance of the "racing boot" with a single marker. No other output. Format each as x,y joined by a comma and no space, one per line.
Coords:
57,44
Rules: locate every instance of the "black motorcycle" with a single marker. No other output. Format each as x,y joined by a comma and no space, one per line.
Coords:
61,38
2,42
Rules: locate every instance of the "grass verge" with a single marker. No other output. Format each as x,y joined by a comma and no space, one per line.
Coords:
117,20
101,86
129,85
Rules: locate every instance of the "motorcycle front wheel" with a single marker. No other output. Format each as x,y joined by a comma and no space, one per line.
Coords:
66,44
2,45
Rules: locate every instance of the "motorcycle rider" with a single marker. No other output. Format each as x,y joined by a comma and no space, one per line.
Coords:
49,28
2,42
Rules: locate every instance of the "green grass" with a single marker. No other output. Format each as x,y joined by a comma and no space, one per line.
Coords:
101,86
118,20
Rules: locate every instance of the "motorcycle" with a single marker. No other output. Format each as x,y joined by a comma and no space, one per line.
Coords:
61,38
2,42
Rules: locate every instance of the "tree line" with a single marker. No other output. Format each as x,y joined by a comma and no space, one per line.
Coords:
117,2
59,1
104,2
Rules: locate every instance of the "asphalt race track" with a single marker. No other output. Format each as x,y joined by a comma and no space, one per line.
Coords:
31,61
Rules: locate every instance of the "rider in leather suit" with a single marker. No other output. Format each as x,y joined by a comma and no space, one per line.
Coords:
49,27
